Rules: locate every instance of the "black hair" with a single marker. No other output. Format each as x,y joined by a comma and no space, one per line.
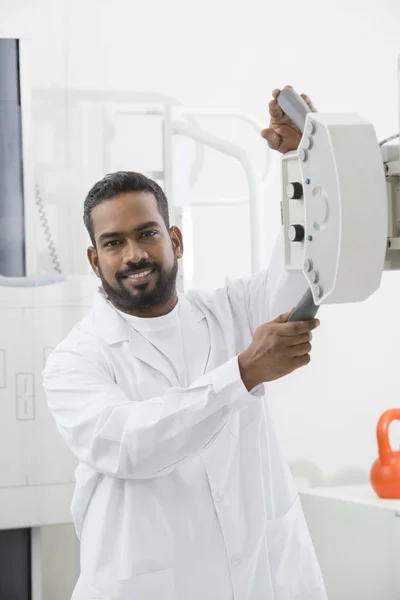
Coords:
122,182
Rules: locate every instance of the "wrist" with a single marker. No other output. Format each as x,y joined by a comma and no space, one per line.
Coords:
246,372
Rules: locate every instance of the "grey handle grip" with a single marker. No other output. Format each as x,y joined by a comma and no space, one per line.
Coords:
306,308
294,106
297,109
30,281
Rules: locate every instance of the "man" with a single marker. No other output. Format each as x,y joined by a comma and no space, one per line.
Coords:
181,490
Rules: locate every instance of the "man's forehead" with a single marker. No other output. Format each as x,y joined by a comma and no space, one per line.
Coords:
127,210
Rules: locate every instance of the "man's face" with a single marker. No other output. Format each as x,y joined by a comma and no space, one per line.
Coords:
135,255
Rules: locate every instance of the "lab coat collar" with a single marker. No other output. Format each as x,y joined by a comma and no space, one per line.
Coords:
113,328
108,323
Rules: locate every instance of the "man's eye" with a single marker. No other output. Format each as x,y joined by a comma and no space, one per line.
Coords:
148,234
112,243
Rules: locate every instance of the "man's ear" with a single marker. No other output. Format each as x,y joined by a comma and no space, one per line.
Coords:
177,241
93,260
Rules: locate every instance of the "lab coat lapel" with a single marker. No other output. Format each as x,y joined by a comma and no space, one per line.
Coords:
220,326
142,349
114,329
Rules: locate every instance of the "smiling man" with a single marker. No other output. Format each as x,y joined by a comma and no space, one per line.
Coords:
137,265
182,492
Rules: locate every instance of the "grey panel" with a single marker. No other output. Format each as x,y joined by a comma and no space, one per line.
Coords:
12,243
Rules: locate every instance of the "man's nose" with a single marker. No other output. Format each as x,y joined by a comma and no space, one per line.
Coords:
134,252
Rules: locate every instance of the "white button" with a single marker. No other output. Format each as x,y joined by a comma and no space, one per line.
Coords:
310,129
307,143
308,264
219,497
318,290
236,560
303,155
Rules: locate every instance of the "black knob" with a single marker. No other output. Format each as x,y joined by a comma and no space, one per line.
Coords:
294,190
296,233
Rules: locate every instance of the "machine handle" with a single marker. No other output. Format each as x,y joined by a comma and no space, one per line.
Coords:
294,106
382,434
30,281
305,309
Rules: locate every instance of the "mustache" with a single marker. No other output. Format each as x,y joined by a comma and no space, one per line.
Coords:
134,268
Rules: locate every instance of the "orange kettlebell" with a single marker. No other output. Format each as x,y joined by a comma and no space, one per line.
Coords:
385,472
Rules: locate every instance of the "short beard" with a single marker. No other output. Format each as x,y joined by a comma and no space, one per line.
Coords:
143,300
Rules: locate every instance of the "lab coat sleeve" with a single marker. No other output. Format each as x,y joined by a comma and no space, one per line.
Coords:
121,437
266,295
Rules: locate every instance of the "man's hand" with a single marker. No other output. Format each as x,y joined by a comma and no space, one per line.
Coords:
282,134
277,349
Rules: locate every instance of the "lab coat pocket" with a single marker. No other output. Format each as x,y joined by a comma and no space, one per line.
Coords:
294,567
157,585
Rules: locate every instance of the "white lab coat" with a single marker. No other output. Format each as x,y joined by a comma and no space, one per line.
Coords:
153,456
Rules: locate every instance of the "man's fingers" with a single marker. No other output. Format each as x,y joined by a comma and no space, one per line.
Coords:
309,102
283,318
301,361
296,328
297,340
275,110
300,349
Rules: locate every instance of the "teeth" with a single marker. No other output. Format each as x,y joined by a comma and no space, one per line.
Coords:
139,275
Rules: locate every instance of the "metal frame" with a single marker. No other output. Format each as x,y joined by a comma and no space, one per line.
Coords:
25,52
175,126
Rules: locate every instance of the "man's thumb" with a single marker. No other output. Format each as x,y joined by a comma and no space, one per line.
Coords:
274,140
283,318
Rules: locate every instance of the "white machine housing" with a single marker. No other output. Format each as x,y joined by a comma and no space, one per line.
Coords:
334,208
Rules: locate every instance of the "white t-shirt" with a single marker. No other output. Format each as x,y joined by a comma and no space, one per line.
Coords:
182,336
